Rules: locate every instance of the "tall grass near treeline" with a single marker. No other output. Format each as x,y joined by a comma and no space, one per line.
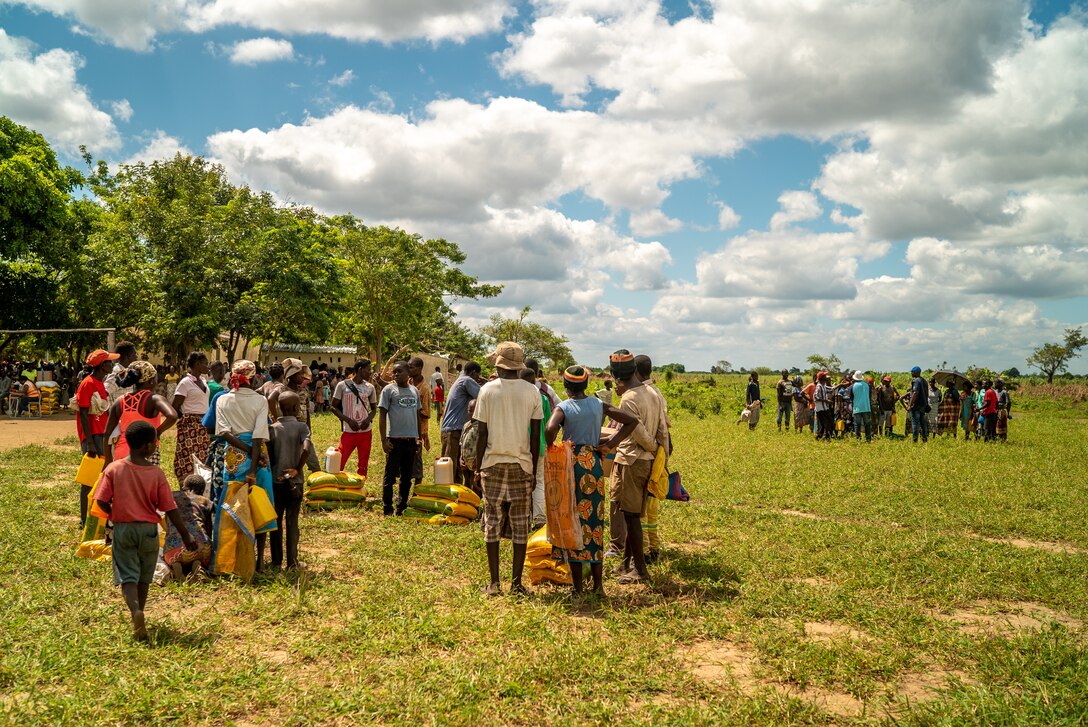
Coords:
805,583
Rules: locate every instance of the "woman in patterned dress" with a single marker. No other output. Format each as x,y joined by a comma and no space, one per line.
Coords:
191,401
581,418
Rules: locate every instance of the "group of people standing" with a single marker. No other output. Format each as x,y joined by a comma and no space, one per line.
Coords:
857,405
256,431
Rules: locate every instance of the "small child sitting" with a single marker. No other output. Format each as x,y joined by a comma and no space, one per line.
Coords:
131,491
289,448
196,510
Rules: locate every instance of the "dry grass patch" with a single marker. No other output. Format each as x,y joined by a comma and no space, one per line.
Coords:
1006,619
716,662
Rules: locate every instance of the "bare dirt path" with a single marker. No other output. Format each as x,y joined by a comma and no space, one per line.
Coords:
21,432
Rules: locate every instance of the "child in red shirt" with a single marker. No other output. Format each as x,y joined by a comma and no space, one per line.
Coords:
439,398
131,491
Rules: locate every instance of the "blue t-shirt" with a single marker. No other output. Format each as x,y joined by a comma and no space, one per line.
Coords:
209,416
402,406
582,420
862,404
919,394
464,390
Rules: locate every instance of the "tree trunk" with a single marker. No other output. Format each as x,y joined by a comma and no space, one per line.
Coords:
232,344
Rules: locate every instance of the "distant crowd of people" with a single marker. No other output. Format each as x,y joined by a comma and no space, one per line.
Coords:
856,405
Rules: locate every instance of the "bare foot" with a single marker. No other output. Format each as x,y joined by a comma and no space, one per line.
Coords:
139,626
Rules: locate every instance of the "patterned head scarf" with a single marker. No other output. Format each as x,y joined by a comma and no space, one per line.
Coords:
241,373
144,370
576,375
622,364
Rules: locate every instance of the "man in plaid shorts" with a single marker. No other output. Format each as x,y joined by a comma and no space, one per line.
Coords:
509,414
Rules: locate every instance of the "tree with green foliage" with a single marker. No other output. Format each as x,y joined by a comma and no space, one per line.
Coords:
818,362
1054,358
396,284
722,367
184,256
39,231
538,341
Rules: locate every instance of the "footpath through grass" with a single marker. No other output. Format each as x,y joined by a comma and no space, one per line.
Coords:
805,583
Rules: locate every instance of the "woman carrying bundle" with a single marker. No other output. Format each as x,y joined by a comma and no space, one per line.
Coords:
141,405
241,422
581,418
191,402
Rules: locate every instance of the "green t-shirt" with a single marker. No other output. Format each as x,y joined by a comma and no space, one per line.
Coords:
213,389
547,404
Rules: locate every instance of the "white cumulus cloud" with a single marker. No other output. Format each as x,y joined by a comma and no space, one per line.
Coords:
40,90
135,24
261,50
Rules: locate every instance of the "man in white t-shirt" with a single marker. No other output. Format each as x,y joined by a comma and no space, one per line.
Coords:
509,414
436,377
354,403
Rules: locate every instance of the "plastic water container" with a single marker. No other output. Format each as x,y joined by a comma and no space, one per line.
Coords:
332,460
443,471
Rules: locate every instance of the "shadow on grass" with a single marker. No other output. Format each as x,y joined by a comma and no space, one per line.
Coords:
694,574
166,635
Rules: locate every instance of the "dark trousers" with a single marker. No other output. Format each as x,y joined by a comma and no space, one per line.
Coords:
784,412
288,506
991,427
919,424
398,464
826,420
863,420
451,447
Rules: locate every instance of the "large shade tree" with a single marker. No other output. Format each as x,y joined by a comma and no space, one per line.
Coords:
398,286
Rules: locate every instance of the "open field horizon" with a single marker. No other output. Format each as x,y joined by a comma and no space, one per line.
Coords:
806,583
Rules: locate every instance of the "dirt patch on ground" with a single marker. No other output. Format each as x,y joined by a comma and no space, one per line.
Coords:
1006,619
924,686
803,515
723,661
820,583
825,632
1026,544
15,433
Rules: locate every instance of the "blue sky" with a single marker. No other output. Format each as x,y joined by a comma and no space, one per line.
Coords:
749,181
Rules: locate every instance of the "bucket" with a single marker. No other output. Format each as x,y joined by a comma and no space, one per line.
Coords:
443,471
332,460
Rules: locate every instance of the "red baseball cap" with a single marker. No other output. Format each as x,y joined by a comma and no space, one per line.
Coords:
101,356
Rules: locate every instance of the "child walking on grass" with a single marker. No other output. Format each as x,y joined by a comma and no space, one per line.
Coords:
131,491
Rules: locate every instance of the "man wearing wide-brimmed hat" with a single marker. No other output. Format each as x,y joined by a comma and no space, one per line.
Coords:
509,413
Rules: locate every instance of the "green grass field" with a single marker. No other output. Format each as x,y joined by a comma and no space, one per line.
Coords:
806,583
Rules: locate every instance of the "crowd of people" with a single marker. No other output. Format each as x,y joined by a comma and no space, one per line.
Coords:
252,427
857,405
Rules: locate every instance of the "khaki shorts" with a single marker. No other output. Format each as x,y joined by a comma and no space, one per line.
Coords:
629,485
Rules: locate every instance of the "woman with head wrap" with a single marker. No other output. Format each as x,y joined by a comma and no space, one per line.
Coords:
141,405
241,422
581,418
